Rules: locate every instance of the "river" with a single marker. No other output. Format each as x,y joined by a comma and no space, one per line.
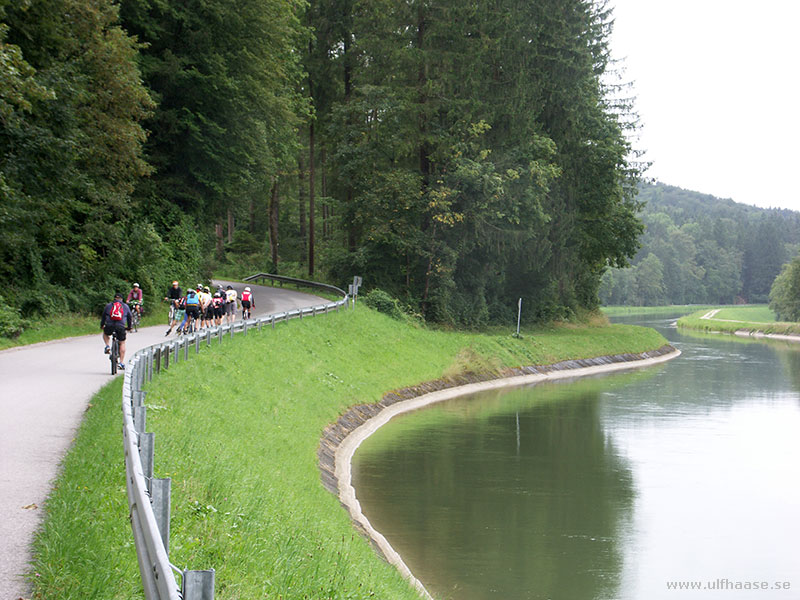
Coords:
677,481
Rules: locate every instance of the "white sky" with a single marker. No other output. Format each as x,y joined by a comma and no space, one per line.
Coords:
717,91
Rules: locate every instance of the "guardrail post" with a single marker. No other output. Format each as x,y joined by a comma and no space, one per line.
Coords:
198,585
146,455
157,359
140,419
166,357
244,328
272,320
160,499
137,398
220,334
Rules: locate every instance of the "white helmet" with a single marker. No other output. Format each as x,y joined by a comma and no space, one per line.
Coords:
247,289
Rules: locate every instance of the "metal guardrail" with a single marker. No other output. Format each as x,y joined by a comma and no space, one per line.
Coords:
301,282
149,497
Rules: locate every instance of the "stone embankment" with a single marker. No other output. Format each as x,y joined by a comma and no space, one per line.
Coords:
341,439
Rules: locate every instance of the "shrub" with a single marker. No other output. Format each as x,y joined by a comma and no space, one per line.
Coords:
11,322
381,301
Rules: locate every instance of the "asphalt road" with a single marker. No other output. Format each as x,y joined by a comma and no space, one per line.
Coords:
44,391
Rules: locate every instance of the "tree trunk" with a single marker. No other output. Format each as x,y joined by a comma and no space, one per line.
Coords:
220,240
273,225
311,184
230,225
301,199
324,183
252,217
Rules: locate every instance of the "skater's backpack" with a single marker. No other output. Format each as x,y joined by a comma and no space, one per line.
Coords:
117,311
192,299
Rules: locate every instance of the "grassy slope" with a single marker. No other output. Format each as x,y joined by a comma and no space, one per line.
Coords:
755,318
621,311
237,429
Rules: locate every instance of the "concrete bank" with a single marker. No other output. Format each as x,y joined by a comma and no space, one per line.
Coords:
341,439
760,335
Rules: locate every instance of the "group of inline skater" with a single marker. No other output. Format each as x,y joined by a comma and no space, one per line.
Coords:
194,310
199,308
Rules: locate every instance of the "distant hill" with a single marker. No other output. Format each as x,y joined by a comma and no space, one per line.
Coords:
698,248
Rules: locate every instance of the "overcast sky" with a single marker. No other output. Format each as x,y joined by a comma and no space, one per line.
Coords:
717,91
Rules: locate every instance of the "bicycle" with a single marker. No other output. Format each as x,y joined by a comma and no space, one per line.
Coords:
136,307
113,354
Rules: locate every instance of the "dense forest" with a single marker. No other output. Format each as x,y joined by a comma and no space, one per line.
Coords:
456,155
698,249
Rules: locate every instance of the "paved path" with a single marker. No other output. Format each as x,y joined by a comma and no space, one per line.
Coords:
44,391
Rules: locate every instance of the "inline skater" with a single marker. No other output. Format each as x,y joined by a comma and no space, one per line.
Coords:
206,307
231,302
174,294
192,311
218,301
247,303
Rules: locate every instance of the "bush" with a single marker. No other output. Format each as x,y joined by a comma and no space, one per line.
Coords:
381,301
11,322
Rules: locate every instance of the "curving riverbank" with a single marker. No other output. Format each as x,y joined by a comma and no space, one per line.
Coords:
708,321
340,440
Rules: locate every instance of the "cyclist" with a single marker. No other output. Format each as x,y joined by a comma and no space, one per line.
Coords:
115,316
230,304
247,303
173,295
135,299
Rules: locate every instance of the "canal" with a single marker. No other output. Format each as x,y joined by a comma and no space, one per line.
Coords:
678,481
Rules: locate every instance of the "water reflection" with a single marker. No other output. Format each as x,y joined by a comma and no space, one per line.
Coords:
605,488
508,491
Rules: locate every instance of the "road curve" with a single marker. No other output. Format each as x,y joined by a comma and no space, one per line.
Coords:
44,391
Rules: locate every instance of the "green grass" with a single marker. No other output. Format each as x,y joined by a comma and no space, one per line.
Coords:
757,313
752,318
84,549
237,429
620,311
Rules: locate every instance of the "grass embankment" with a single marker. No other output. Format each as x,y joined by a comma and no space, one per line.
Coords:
622,311
757,318
237,429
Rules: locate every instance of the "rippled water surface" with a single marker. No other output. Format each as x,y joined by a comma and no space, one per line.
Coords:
622,486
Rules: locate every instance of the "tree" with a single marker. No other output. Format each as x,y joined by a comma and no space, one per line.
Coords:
71,152
226,77
784,296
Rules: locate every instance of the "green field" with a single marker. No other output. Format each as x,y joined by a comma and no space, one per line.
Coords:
622,311
757,313
756,318
237,429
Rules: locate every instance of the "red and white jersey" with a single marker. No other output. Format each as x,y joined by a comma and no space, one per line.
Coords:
247,296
